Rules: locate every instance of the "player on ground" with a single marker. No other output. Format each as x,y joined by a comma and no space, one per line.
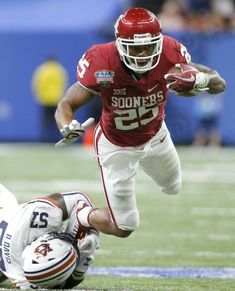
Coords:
131,76
37,249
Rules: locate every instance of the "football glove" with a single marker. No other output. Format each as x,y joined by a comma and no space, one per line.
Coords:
188,80
87,247
71,132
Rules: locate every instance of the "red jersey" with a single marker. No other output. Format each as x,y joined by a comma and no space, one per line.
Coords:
133,110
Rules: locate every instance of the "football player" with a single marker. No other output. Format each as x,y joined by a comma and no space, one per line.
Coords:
131,76
37,249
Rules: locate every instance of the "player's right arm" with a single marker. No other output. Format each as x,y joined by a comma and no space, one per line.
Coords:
75,97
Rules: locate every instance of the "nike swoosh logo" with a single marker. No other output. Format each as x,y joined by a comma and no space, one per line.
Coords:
191,79
151,89
162,139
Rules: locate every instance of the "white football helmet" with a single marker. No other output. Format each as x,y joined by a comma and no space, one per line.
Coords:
138,27
50,260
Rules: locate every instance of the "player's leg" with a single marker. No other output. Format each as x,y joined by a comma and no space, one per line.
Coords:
118,168
100,219
162,163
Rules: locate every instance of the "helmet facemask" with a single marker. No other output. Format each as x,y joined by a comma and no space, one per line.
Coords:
138,27
134,62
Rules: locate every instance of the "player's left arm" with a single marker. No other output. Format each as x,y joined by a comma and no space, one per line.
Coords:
190,83
57,200
216,84
65,201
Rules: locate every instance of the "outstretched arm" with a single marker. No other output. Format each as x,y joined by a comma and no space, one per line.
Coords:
70,128
75,97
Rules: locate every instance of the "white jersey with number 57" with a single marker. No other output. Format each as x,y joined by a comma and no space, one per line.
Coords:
20,225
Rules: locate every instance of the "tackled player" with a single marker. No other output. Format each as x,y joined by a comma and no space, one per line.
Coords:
37,249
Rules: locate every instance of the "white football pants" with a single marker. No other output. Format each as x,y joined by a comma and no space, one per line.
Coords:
119,166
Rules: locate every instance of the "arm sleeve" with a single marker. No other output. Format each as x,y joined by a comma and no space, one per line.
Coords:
71,199
86,69
176,52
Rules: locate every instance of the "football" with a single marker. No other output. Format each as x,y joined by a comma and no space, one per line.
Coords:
178,69
181,79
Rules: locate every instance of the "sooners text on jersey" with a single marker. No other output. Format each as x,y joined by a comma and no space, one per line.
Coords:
133,110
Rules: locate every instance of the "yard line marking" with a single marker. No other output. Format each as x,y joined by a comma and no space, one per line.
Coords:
210,211
165,253
221,236
193,236
223,223
27,187
219,273
213,175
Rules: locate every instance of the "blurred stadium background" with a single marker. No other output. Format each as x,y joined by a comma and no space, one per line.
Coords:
32,30
193,229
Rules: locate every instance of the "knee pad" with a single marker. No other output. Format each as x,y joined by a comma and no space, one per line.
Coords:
129,221
172,189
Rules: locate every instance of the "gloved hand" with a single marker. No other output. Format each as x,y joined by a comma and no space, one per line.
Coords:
87,247
91,242
72,131
187,80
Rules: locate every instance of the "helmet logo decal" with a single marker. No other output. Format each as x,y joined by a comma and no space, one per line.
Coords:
142,38
43,250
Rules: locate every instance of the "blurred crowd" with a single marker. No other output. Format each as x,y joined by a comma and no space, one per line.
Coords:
207,16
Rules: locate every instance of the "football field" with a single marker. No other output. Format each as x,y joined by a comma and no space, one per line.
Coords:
184,242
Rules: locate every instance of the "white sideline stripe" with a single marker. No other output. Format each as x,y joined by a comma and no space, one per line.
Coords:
221,237
193,236
26,188
203,176
92,185
223,223
219,273
210,211
163,253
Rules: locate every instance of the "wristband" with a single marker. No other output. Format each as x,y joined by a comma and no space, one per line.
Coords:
201,82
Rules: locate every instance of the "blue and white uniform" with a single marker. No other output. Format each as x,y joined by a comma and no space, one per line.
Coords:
20,225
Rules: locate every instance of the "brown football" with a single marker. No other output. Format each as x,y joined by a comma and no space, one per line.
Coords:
181,69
